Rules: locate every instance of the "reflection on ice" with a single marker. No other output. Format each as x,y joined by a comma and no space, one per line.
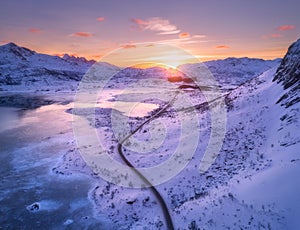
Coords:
125,103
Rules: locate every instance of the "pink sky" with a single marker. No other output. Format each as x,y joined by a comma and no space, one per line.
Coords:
206,29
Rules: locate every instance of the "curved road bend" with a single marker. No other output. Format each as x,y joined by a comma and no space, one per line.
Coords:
164,207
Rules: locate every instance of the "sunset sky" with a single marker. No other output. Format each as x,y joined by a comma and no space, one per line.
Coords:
206,29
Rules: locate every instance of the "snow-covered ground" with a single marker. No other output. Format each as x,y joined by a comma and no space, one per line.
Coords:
251,185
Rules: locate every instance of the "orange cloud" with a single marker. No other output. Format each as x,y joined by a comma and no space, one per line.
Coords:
222,47
82,34
100,19
34,30
267,36
184,35
285,27
128,46
275,35
139,21
156,24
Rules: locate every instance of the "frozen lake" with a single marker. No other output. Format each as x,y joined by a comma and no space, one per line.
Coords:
32,142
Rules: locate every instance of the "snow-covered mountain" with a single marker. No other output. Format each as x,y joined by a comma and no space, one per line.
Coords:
232,72
23,69
13,54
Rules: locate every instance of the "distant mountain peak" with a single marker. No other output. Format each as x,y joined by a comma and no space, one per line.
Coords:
11,44
66,56
23,53
17,51
73,58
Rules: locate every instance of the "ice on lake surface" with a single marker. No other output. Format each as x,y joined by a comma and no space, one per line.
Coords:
126,103
32,141
8,118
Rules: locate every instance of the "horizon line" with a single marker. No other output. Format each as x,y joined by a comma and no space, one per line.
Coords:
143,64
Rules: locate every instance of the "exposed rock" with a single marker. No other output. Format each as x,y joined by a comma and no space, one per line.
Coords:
288,74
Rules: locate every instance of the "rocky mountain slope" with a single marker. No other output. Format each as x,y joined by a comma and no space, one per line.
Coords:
288,74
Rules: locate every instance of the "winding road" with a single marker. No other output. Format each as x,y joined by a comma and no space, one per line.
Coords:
164,207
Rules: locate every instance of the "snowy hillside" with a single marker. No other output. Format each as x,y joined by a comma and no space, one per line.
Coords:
278,186
253,184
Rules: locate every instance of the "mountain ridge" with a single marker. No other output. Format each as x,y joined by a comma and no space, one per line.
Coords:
68,56
20,66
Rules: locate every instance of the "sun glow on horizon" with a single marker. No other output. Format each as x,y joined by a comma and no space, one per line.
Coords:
156,57
145,56
147,65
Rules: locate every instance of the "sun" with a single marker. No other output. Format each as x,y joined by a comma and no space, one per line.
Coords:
145,56
173,61
146,65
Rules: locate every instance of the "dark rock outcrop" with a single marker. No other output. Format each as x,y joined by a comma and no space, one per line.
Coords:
288,74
